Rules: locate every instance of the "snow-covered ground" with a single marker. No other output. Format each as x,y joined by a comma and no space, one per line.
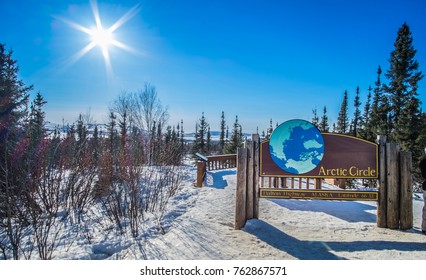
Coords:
286,229
199,226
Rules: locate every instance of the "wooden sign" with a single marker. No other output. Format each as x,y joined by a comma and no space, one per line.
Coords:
319,194
341,156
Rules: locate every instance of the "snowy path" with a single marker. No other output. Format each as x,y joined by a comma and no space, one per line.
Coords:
287,229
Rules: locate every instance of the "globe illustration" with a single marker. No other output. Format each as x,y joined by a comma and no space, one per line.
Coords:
296,146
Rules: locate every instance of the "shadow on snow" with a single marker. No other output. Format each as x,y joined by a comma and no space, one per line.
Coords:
216,179
319,250
350,211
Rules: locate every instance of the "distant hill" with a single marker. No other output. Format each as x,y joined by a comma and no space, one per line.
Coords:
215,135
102,128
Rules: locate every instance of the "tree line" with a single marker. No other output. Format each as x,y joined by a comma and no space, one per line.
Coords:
227,143
392,108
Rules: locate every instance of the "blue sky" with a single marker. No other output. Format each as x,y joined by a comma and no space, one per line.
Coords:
255,59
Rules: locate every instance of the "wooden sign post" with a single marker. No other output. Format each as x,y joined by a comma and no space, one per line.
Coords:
394,181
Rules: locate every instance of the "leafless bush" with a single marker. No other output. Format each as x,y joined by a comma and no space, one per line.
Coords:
14,185
44,202
159,184
13,222
79,187
134,201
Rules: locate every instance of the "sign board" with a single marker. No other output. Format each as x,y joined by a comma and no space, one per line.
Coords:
296,148
319,194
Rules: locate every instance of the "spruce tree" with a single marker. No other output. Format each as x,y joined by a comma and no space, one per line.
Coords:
404,76
208,141
236,140
14,96
380,109
315,118
112,135
357,113
200,136
324,126
81,133
421,140
182,141
36,126
365,124
342,119
270,129
222,138
36,136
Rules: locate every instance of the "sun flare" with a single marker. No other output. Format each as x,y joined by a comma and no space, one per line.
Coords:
102,37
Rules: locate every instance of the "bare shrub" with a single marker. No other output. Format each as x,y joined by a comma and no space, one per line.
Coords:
44,202
159,184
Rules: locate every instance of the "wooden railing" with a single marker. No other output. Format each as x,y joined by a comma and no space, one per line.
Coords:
295,182
222,162
217,162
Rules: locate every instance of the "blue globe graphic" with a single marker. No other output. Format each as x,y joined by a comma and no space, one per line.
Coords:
296,146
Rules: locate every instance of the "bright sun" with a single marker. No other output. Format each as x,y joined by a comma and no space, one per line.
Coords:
100,36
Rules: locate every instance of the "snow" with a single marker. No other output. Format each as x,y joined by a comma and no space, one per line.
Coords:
286,229
198,225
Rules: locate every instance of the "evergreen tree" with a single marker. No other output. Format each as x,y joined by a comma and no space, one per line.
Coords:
209,140
342,119
404,76
158,144
81,132
112,135
168,136
201,136
236,140
14,96
181,135
270,130
323,126
421,140
36,126
365,125
315,118
411,122
380,109
222,139
37,144
357,113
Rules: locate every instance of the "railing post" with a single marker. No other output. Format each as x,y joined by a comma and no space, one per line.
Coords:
250,182
241,192
318,183
393,188
256,144
406,195
201,171
382,202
